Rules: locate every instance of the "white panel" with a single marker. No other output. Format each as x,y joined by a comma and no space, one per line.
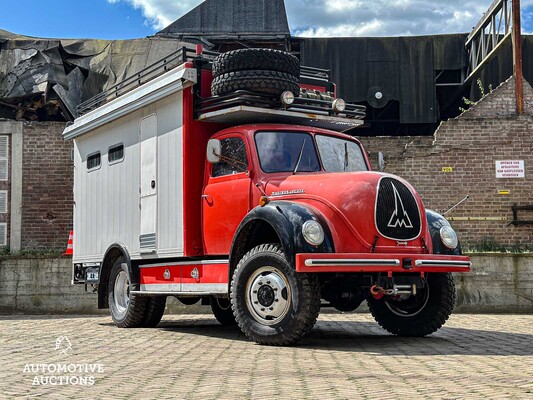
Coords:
148,139
170,173
4,157
107,201
3,234
3,201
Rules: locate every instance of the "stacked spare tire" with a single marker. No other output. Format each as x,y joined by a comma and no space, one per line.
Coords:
265,71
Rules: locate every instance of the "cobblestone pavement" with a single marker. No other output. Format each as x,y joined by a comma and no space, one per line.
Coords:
192,357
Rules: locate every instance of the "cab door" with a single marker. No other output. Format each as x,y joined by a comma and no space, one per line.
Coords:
226,197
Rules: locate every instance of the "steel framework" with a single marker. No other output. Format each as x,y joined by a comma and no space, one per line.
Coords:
491,32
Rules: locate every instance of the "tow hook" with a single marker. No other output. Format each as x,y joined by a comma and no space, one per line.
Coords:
379,292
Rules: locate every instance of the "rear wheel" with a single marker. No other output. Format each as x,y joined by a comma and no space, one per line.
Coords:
222,311
420,314
127,310
155,308
273,304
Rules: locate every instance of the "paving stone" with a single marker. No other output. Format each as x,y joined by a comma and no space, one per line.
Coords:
193,357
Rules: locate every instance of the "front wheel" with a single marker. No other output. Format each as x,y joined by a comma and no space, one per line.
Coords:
272,303
127,310
420,314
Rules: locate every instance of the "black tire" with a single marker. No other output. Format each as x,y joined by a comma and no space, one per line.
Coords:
155,308
127,310
265,82
292,298
419,315
249,59
222,311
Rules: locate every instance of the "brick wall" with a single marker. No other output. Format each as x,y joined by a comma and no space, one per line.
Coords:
470,144
47,202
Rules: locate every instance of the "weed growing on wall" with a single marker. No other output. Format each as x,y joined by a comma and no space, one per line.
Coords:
470,103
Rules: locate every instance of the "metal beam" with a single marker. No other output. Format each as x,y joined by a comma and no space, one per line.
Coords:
488,36
517,58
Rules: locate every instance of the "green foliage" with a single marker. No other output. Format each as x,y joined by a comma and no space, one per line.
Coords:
48,253
490,245
470,103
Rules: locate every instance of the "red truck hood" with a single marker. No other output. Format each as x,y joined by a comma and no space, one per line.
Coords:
370,203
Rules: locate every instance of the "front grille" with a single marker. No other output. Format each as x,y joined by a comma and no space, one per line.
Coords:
397,214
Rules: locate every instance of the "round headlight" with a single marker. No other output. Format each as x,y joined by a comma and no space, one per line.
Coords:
313,232
448,237
338,105
287,98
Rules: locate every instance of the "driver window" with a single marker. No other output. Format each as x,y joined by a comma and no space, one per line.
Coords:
233,159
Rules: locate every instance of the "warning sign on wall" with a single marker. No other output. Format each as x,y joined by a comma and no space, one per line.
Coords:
510,169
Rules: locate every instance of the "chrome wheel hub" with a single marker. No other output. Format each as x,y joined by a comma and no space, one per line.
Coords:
121,292
268,295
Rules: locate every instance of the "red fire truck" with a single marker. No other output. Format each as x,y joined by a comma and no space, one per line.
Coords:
228,180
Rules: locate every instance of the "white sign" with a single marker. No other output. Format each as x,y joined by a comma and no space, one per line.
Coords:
510,169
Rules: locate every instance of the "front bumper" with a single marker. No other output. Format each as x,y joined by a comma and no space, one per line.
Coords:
362,262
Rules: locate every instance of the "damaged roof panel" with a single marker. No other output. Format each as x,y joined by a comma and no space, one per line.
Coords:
66,72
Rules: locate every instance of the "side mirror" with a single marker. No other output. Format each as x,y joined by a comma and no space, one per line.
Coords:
381,162
214,151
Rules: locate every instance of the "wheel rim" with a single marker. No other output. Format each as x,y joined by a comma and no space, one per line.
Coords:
121,292
268,295
411,306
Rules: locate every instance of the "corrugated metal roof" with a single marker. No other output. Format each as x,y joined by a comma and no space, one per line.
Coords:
223,18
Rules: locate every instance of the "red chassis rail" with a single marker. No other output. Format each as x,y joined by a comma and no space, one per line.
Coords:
393,262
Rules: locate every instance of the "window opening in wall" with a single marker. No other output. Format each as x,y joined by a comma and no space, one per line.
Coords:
3,234
115,154
93,161
3,201
4,157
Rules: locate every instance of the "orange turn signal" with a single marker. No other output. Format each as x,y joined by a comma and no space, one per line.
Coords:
263,201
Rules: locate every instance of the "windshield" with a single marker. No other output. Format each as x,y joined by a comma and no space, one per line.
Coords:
286,152
339,155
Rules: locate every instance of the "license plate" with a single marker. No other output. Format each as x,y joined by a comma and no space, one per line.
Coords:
92,275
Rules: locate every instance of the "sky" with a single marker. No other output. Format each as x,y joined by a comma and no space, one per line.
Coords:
127,19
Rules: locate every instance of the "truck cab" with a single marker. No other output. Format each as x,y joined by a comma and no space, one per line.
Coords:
256,204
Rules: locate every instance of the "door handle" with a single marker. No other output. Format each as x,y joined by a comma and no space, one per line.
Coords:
207,197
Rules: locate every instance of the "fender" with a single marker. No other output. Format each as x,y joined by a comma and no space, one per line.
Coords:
114,251
285,218
435,222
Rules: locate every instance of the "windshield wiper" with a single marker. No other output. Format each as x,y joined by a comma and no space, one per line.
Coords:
299,158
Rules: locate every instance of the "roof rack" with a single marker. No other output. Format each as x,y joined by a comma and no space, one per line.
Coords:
184,54
167,63
308,105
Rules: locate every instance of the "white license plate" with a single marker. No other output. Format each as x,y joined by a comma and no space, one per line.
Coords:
92,276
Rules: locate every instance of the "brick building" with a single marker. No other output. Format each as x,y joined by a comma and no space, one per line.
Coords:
37,186
459,160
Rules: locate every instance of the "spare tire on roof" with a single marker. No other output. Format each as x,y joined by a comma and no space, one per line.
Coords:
265,82
256,59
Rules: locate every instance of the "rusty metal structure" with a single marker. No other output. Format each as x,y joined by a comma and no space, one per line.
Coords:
499,25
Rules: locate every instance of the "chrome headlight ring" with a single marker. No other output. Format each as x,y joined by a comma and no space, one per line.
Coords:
448,237
313,232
